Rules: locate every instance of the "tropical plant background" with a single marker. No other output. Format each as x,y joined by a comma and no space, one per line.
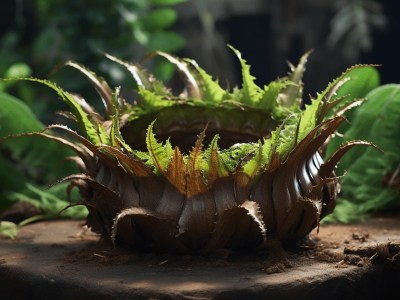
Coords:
36,36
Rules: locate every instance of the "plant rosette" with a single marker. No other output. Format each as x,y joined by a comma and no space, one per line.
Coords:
206,169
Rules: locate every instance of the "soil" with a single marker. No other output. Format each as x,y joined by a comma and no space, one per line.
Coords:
62,259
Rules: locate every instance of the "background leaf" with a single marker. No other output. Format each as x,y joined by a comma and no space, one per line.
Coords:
160,18
363,190
28,159
8,229
166,41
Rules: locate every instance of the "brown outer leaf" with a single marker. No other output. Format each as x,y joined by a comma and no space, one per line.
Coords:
171,203
83,153
129,162
223,194
103,204
103,189
127,190
147,223
150,191
85,142
238,227
241,187
197,219
99,84
261,192
330,165
287,190
301,219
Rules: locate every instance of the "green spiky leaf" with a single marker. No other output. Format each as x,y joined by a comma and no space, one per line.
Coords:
253,166
293,93
211,91
153,101
213,165
250,92
160,154
91,128
269,98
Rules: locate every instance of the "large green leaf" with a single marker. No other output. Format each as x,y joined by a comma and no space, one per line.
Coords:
16,117
375,121
363,190
35,157
28,159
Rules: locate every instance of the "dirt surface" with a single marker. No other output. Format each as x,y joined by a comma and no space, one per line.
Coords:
61,259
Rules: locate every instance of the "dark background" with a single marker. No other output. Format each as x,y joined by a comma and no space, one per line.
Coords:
268,33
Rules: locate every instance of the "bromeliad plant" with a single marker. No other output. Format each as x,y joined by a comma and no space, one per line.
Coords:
207,169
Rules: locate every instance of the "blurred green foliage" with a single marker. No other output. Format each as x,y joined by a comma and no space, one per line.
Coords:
61,30
36,37
28,164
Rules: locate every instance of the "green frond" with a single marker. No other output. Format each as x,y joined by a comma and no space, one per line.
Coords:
87,123
288,135
269,99
309,118
292,95
213,165
254,165
237,155
151,101
211,91
116,138
250,92
160,154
